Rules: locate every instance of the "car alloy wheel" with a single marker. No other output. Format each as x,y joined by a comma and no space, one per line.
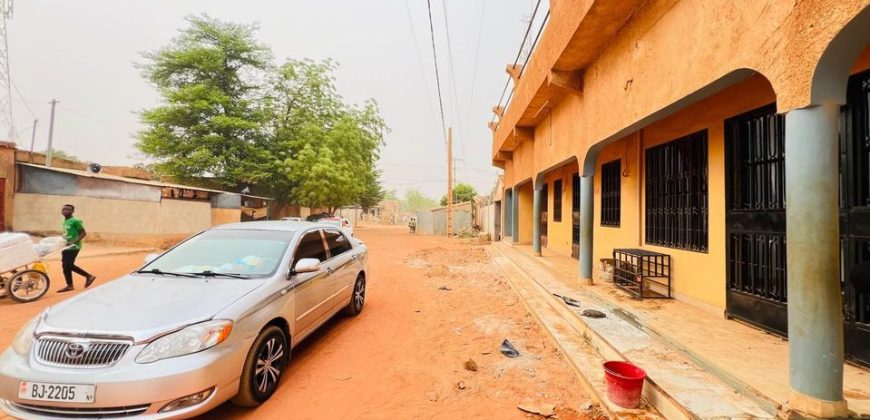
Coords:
267,359
359,294
270,365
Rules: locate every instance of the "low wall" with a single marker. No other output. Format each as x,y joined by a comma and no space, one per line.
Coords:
115,221
224,216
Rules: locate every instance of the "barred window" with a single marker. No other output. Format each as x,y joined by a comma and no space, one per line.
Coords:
611,181
557,200
676,193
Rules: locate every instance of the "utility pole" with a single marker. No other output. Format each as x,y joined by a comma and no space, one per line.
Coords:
50,134
33,138
449,181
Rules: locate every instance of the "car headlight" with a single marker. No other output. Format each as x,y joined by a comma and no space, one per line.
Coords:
24,339
192,339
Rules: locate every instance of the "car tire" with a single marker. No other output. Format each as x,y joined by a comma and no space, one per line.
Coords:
269,351
357,297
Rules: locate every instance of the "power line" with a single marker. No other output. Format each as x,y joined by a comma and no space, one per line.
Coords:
24,101
476,59
453,79
435,57
420,63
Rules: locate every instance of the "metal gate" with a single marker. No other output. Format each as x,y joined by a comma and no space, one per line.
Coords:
544,213
855,218
2,202
755,219
575,216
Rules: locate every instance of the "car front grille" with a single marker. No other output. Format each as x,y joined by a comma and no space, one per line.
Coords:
79,412
92,354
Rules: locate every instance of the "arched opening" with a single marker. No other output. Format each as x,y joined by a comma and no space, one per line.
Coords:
556,210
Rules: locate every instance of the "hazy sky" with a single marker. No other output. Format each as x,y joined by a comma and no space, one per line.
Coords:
82,53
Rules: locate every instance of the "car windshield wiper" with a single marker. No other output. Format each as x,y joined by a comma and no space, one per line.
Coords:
209,273
160,272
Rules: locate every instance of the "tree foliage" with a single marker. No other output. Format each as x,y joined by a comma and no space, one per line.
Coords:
415,200
230,115
461,193
60,154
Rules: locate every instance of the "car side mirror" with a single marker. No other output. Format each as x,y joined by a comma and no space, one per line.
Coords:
151,257
306,265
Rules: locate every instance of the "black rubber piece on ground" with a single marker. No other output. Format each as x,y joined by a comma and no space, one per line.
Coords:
508,349
571,301
592,313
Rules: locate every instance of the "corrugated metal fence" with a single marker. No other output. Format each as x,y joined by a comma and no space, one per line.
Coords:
434,221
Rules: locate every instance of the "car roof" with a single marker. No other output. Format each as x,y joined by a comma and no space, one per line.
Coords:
279,225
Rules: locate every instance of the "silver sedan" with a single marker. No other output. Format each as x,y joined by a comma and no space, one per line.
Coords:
210,320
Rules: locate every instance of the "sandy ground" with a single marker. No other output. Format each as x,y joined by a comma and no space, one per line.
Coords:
433,304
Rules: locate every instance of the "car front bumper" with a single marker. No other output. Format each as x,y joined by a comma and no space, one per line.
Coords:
127,387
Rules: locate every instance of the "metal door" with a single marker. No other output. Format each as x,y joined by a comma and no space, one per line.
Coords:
575,216
855,218
755,219
544,214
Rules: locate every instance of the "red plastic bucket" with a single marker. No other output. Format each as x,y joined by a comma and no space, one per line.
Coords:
624,383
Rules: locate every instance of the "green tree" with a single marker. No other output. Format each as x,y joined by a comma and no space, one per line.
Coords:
391,195
210,122
60,154
415,200
231,116
324,150
461,193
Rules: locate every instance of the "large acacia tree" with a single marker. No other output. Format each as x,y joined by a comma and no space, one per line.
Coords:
230,115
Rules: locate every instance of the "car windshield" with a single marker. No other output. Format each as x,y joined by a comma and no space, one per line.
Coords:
240,252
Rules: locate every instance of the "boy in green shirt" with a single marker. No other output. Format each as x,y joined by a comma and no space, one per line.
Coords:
73,233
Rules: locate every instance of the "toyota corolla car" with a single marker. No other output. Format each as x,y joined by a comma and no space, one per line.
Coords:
212,319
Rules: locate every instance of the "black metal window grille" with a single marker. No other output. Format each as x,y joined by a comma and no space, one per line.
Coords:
557,200
759,159
676,193
611,180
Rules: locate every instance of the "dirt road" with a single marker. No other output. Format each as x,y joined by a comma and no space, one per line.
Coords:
433,304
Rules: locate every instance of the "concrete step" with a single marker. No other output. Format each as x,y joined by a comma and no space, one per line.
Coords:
585,360
677,385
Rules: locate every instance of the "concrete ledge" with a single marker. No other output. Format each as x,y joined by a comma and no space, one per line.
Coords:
676,385
586,360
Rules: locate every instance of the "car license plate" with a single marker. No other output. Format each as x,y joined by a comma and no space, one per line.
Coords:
40,391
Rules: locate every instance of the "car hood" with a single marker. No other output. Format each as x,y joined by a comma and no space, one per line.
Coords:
141,306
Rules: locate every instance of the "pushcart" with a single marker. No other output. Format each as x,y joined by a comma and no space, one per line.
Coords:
27,282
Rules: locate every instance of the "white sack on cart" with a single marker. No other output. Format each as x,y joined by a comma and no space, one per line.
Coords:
16,250
49,245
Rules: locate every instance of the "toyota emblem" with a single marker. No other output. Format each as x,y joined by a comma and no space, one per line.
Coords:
75,351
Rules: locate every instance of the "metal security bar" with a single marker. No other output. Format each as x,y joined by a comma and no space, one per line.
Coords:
611,181
676,193
642,273
758,265
756,205
557,200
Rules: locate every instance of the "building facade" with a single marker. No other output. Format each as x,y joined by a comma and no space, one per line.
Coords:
733,136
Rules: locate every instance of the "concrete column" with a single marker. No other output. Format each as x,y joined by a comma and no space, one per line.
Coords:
537,201
515,217
815,310
586,196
